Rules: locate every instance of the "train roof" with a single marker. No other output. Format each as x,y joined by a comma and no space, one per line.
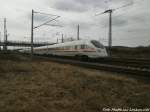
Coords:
76,42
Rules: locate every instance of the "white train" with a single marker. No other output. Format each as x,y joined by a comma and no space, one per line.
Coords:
82,48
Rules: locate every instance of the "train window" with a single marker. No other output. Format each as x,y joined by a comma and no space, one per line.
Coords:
75,47
78,47
82,46
67,47
87,47
56,48
97,44
63,48
72,47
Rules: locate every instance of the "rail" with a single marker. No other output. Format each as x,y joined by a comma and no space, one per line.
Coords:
126,68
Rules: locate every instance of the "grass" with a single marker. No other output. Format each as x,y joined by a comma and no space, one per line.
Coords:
43,86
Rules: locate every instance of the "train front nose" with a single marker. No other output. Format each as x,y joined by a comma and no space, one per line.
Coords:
102,52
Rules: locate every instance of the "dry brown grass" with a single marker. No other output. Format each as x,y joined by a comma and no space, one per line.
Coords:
42,86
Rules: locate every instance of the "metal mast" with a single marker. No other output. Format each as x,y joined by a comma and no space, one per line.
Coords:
0,41
5,35
62,36
110,11
35,27
110,32
32,27
78,32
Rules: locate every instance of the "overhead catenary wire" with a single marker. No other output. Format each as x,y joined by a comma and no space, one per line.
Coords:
54,25
46,22
35,27
131,3
106,11
45,13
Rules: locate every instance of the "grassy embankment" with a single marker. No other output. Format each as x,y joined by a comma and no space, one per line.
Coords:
43,86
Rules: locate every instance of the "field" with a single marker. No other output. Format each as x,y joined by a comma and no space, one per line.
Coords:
43,86
128,52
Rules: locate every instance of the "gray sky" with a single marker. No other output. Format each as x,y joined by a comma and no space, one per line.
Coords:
131,26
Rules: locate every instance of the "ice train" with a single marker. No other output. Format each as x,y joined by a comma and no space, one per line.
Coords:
80,48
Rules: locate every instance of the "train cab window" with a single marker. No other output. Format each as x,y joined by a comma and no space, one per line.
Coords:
97,44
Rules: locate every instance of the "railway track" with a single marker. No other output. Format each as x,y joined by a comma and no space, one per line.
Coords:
114,66
136,63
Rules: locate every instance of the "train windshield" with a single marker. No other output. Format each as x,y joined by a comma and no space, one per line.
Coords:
97,44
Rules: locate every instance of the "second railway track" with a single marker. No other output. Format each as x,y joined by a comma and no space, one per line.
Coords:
118,66
136,63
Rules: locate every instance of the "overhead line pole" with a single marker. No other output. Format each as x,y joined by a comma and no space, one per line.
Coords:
57,40
110,32
78,32
62,38
5,35
110,11
0,41
32,33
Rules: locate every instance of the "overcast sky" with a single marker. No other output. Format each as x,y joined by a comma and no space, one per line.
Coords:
131,25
